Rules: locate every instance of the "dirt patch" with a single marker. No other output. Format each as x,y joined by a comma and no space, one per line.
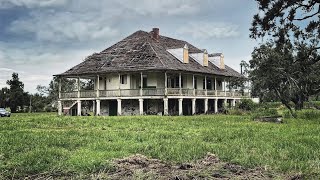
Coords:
210,167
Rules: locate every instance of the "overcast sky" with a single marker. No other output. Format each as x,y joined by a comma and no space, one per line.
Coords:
39,38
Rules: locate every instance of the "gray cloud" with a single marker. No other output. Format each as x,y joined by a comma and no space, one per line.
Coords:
7,4
208,30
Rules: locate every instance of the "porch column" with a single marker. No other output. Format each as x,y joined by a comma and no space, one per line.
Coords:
180,90
141,83
141,106
119,107
98,85
59,108
98,108
94,107
193,85
233,102
215,85
205,106
79,107
119,84
165,106
165,84
59,88
205,85
78,87
216,106
180,107
224,87
193,106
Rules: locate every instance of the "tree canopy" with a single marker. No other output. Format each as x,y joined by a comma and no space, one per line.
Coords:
288,20
287,64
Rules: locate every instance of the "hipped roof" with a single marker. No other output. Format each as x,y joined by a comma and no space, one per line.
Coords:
141,52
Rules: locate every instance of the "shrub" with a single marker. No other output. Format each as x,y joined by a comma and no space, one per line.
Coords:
237,111
267,105
264,112
309,114
247,105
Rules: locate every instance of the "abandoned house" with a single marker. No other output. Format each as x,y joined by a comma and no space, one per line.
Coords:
147,73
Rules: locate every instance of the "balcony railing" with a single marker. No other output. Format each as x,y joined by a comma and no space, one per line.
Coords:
151,92
200,92
173,91
72,94
87,93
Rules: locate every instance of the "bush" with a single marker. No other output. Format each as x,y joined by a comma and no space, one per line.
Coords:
267,105
247,105
237,111
309,114
264,112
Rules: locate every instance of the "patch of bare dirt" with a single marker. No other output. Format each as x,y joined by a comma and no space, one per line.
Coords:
210,167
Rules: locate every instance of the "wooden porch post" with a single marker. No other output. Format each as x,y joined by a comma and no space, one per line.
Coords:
119,84
215,85
78,87
224,84
165,84
60,88
141,83
205,85
98,85
193,85
180,90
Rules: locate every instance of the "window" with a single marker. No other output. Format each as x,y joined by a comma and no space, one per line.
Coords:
209,84
219,83
195,83
123,79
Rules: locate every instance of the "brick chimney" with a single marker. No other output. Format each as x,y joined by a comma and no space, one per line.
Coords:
205,58
222,66
185,54
155,33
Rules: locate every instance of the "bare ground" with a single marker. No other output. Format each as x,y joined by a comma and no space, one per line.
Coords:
140,167
210,167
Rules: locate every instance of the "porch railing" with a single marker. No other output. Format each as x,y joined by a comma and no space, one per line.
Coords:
109,93
129,92
200,92
72,94
187,92
151,92
220,93
87,93
173,91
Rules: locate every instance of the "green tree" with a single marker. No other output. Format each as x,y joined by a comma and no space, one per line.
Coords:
16,93
289,73
4,97
288,20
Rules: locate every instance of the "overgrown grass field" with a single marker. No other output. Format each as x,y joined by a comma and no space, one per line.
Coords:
46,143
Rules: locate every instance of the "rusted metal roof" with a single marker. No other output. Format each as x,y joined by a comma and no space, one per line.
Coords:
141,52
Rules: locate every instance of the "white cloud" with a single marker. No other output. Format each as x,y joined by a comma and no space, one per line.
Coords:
163,7
5,4
207,30
37,65
64,27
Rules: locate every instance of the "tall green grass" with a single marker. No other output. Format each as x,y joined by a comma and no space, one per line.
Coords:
31,144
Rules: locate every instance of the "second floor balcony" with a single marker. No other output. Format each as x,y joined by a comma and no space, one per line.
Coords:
170,92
